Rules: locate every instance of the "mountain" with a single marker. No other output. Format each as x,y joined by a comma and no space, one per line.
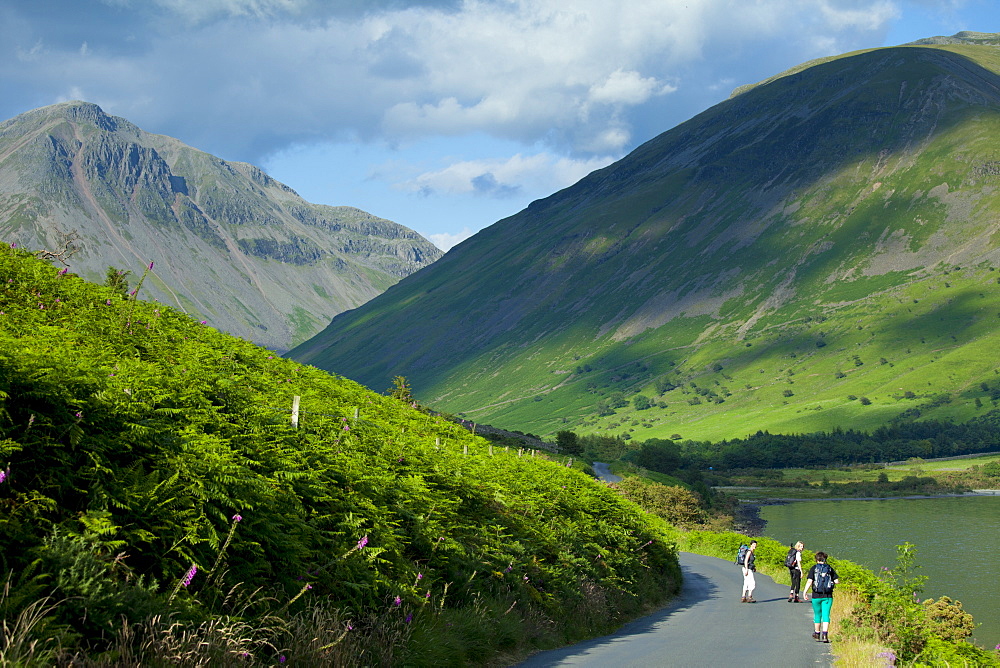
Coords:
819,250
228,243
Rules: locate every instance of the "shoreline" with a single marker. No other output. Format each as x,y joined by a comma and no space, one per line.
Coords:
749,522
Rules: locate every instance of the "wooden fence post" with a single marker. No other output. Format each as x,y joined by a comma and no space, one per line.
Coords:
295,412
357,412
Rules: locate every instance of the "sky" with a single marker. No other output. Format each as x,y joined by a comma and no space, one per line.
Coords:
445,116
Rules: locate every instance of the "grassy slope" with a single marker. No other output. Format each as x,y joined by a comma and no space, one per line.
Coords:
130,428
856,247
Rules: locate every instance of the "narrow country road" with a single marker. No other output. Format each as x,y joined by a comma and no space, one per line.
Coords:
706,625
604,473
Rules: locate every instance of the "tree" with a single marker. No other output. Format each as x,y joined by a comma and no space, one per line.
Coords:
568,443
640,402
400,390
659,455
117,280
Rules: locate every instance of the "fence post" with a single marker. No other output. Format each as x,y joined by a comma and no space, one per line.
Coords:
295,412
520,451
357,412
491,449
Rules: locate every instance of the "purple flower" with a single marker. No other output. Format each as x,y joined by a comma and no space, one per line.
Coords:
397,601
350,627
237,517
63,272
14,245
204,322
428,594
150,266
281,659
189,576
3,475
108,302
78,414
420,576
409,618
362,542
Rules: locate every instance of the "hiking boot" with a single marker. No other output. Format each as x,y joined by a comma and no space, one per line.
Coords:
826,638
790,599
743,600
797,600
751,600
816,636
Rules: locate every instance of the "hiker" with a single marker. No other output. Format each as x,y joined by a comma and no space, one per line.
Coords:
820,582
794,563
749,584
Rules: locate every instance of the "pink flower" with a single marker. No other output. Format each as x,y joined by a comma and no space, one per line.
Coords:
362,542
189,576
3,475
237,517
150,266
397,601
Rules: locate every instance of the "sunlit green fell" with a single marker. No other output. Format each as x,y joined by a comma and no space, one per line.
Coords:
819,250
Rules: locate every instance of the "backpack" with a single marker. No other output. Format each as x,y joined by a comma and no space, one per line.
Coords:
790,558
822,579
742,554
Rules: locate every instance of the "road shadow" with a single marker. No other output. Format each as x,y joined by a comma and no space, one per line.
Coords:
696,589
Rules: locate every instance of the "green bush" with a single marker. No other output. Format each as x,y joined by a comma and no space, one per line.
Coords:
154,471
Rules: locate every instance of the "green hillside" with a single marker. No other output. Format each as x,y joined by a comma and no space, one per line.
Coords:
818,250
158,505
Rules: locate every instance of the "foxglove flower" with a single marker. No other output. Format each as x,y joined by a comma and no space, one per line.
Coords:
189,576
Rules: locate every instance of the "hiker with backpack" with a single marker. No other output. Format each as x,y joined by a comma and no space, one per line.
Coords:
821,581
793,561
746,559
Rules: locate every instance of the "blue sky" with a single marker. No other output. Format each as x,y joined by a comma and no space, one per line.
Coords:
442,115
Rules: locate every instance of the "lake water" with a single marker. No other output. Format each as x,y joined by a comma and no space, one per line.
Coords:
957,541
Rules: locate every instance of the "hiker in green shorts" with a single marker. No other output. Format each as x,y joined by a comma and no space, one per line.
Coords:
820,583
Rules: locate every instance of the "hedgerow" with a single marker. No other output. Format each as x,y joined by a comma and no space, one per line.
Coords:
152,471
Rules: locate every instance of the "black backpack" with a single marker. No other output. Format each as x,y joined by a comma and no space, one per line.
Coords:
741,555
822,579
790,558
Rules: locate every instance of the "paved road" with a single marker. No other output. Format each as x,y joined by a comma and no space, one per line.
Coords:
604,473
706,625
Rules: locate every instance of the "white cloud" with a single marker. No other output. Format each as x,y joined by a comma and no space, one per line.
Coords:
627,88
244,78
536,174
446,241
867,16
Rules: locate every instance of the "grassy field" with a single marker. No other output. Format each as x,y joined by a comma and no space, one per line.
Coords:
801,483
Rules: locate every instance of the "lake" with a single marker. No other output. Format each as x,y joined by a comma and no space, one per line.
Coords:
957,541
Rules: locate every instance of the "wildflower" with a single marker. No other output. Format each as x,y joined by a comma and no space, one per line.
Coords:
108,302
420,576
13,245
189,576
363,542
409,618
350,627
3,475
281,659
204,322
237,517
347,427
428,594
150,266
78,414
397,601
63,272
